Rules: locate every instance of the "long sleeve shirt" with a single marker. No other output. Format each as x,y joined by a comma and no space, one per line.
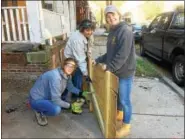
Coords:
76,48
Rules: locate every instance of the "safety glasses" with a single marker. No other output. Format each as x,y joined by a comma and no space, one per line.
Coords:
70,65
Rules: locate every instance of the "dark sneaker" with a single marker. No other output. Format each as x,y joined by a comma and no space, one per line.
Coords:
41,119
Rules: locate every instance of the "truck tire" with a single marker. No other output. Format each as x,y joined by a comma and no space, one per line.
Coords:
178,70
142,51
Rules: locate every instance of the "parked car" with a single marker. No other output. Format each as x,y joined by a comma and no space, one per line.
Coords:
137,31
163,39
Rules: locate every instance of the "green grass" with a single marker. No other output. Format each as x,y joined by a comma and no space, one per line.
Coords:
146,69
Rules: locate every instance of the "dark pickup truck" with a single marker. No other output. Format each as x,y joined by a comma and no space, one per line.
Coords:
163,40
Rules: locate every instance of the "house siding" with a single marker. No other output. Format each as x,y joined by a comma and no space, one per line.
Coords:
8,3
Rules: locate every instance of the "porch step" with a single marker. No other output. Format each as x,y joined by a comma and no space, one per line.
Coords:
20,47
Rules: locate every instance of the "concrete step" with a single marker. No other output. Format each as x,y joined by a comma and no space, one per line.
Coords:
20,47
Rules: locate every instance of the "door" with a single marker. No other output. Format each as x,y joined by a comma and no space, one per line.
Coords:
160,33
148,34
155,35
174,37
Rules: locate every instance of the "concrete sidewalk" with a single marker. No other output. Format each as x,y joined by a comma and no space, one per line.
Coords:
158,112
22,124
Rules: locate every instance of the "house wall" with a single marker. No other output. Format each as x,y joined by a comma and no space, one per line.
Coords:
64,8
9,3
14,65
21,3
63,14
35,21
53,24
18,71
72,11
17,65
40,21
66,15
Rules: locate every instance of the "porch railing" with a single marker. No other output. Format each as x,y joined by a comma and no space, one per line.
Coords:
14,25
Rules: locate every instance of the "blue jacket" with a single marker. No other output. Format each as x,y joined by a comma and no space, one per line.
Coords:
50,86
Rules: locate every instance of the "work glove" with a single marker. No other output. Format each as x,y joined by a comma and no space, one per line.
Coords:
83,94
76,106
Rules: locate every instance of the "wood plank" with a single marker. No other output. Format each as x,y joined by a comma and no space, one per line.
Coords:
13,7
112,114
16,41
24,25
7,25
3,37
18,24
114,82
107,103
105,85
98,112
13,25
21,2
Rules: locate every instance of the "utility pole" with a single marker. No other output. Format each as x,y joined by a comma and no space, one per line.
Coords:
109,2
101,21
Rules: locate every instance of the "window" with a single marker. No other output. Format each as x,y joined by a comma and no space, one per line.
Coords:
178,22
47,5
164,21
155,22
161,21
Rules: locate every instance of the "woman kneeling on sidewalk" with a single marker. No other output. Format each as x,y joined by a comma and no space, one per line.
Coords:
45,95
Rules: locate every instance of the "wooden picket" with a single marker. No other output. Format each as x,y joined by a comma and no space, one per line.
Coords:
105,89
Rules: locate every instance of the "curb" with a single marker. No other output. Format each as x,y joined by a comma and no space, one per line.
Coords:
172,85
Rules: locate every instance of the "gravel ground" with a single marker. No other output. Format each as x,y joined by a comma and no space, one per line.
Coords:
15,93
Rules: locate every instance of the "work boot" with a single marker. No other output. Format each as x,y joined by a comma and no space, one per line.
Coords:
123,131
120,115
41,119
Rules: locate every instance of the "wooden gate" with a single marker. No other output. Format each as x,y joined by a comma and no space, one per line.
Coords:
104,90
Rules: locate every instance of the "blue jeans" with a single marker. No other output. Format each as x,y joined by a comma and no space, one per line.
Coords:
46,107
124,102
77,79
